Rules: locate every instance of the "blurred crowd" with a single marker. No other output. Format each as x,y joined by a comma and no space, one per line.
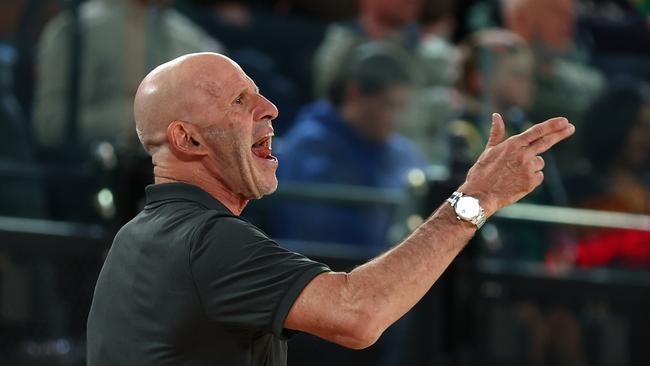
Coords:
373,94
368,91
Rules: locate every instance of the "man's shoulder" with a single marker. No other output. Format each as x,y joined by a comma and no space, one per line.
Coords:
215,227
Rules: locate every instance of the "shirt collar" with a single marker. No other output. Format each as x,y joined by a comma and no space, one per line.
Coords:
158,193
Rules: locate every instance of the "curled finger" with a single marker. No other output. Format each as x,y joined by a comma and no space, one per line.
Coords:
538,163
539,175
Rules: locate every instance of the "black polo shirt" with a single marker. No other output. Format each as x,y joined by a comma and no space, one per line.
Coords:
187,282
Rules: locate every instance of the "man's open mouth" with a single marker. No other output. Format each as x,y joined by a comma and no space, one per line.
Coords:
262,148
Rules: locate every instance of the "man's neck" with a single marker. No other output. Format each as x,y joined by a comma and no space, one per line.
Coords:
167,169
231,200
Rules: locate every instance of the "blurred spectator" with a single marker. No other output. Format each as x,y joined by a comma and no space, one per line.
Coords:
120,41
350,139
390,20
432,58
497,76
437,54
619,156
619,152
21,192
564,84
436,101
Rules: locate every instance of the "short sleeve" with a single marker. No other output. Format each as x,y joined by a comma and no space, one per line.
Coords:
245,279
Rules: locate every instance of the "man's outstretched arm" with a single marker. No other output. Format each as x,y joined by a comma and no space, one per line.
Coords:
353,309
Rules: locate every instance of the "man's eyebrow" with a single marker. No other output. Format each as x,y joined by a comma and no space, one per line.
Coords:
245,90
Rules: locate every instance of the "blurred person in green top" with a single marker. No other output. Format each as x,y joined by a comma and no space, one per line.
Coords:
121,40
564,83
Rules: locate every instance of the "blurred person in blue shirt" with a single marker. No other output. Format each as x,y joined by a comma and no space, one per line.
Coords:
350,139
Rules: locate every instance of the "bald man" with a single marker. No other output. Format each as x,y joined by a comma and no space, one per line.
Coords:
189,282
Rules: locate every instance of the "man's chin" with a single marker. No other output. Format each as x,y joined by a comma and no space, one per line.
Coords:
265,191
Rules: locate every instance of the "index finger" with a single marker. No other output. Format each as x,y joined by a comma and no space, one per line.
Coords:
543,129
546,142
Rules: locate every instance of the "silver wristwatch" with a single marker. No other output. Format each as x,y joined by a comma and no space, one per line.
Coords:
467,208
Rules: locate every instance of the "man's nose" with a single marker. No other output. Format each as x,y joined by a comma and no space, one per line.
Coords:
266,109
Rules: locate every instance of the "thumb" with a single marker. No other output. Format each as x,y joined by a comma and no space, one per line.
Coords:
498,130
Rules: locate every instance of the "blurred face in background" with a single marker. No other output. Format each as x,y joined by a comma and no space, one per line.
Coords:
377,115
555,23
545,23
512,80
394,13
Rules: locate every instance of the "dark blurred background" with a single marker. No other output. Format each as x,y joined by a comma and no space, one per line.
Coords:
384,105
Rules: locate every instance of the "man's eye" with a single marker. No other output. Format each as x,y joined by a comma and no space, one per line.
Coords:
238,100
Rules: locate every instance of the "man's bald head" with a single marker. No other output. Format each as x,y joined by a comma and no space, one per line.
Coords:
204,122
179,90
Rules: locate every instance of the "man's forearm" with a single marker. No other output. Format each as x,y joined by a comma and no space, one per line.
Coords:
394,282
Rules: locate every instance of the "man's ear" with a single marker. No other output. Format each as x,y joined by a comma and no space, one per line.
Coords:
184,139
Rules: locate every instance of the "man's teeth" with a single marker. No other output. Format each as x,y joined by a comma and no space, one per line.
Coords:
267,141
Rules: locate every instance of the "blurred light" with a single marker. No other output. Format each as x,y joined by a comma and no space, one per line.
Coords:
490,234
416,178
62,346
106,155
414,221
106,203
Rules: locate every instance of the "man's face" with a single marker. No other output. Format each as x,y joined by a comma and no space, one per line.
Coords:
513,80
239,135
379,113
554,22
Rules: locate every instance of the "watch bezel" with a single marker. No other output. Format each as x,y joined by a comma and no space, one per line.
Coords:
478,220
466,202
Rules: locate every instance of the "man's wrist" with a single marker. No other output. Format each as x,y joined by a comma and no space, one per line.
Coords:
449,214
487,203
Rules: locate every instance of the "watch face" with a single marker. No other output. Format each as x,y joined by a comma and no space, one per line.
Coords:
467,208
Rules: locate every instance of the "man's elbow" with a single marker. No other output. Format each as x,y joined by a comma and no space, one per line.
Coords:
362,332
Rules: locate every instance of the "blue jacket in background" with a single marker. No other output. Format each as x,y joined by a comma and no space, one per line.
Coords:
322,148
